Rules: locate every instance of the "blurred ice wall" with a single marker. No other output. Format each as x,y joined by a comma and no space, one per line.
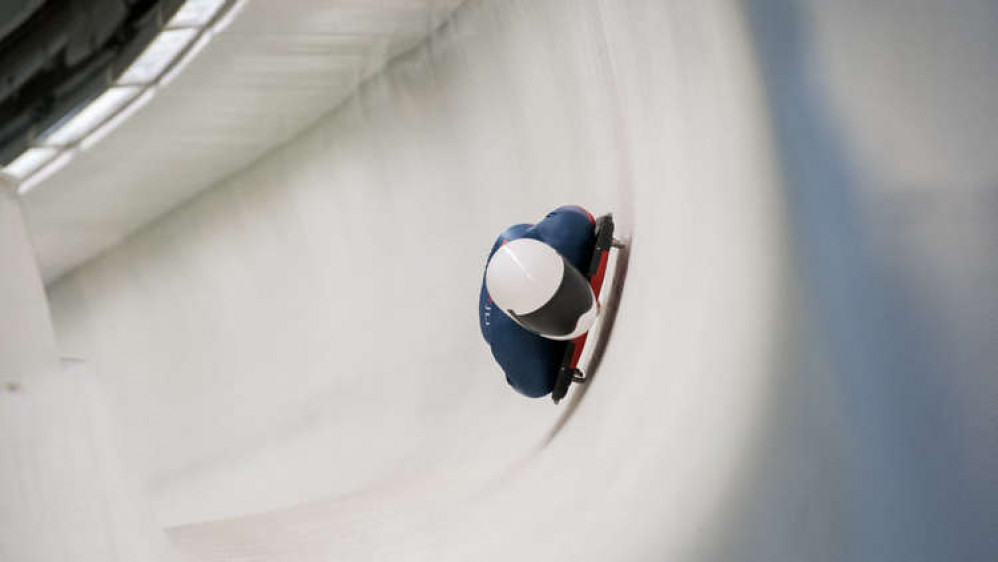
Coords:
64,493
886,121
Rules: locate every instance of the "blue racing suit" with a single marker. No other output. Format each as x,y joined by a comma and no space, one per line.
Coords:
530,361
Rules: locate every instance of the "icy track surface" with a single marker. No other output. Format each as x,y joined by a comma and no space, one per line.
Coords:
803,362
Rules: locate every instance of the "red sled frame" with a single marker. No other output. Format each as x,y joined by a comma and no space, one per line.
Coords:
569,371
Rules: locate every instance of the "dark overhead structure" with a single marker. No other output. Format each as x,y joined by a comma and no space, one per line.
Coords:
57,55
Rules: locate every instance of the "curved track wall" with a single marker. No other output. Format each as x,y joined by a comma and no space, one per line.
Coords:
294,355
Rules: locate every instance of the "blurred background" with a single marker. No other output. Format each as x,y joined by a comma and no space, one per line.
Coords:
241,244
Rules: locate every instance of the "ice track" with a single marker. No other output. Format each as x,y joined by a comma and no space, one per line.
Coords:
802,367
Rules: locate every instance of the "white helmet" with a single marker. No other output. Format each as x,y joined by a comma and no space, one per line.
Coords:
532,283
